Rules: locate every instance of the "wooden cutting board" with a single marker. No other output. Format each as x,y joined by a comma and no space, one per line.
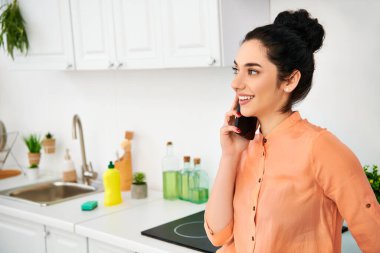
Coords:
9,173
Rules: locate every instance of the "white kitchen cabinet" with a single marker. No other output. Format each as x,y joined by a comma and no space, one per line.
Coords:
19,236
58,241
138,34
95,246
48,25
93,30
117,34
190,33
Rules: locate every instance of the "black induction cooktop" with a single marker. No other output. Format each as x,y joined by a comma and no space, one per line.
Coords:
187,231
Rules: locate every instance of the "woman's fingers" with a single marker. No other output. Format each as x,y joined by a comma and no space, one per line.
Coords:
227,129
229,117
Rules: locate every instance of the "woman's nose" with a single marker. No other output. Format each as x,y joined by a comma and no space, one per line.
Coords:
237,83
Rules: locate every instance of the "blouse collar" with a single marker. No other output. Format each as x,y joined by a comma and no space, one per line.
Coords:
291,120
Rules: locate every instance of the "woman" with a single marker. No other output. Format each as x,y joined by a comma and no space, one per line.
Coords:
289,188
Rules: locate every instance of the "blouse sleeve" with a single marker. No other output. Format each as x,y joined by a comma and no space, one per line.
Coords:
224,236
219,238
343,180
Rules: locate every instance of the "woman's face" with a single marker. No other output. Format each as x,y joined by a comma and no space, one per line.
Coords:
256,81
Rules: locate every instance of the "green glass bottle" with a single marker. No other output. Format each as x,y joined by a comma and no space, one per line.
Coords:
198,184
184,177
170,172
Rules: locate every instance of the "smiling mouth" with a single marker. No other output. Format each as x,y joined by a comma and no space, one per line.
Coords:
245,98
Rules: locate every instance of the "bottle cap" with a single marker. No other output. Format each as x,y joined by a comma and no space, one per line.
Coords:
111,166
186,159
128,135
197,160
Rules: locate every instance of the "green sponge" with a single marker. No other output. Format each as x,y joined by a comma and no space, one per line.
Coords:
89,205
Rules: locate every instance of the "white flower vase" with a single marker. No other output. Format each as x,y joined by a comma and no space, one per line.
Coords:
32,174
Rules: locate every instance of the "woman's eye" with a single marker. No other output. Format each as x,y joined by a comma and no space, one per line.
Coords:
252,72
235,71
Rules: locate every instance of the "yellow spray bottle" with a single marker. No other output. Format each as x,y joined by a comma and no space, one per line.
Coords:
111,181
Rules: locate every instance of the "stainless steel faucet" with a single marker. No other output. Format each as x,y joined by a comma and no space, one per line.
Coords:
87,172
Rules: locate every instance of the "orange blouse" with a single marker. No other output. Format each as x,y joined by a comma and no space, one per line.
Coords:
293,188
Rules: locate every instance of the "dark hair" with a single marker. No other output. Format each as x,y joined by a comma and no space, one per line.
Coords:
291,42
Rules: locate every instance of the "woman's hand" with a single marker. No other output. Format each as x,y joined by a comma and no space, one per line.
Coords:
232,144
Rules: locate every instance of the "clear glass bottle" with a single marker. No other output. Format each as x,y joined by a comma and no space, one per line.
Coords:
198,183
170,172
184,179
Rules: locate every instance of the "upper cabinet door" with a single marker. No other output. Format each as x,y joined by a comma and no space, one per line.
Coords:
138,33
191,33
93,34
48,26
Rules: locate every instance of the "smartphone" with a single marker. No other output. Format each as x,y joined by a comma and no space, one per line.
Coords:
247,125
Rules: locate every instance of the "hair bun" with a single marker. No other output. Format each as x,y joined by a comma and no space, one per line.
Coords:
304,26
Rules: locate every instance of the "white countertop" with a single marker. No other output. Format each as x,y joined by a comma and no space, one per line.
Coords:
123,229
119,225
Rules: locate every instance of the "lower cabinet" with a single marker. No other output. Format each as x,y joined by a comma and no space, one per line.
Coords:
95,246
20,236
58,241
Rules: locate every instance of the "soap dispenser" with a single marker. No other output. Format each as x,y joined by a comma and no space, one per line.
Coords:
69,172
111,181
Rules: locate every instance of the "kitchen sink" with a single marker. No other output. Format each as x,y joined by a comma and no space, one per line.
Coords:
48,193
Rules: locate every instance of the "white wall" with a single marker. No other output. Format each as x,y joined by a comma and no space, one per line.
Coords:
187,105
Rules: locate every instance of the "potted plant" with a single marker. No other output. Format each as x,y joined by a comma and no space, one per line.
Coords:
374,179
32,172
49,144
139,186
33,142
12,29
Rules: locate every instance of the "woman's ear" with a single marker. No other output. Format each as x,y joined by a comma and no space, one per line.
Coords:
292,81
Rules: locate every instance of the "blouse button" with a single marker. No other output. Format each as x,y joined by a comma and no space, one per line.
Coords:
254,208
253,238
263,153
368,205
259,180
265,140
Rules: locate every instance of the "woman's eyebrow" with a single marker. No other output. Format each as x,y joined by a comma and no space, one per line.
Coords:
249,64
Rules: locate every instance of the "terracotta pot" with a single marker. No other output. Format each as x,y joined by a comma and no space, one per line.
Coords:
34,158
139,191
49,146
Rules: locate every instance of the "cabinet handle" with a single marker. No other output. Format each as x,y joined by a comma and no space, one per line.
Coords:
119,65
110,65
212,62
69,66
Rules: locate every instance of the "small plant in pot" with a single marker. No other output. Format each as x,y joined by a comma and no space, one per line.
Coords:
33,142
32,172
49,144
139,186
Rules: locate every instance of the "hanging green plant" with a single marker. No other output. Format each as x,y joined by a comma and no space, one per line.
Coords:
12,29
